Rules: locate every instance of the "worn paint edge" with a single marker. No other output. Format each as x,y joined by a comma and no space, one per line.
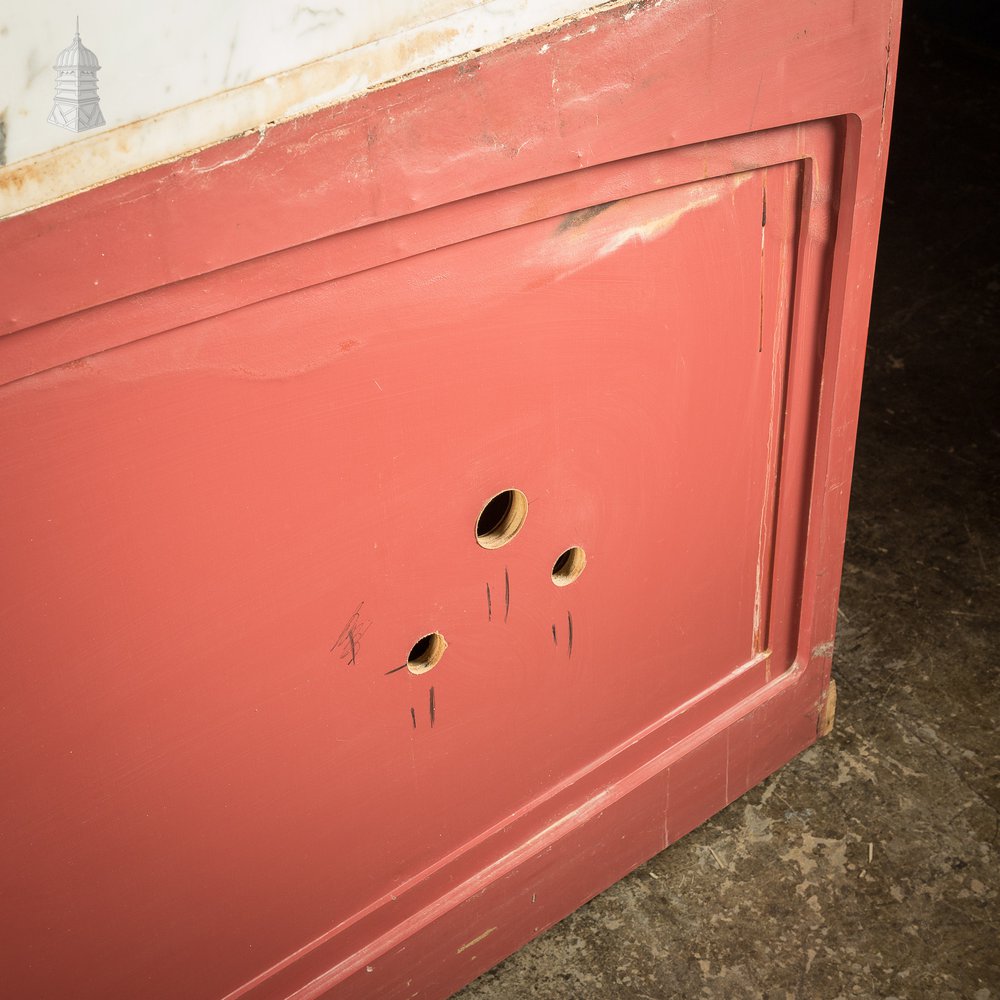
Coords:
655,751
256,106
551,838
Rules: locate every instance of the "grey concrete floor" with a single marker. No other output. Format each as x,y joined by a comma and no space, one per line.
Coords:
867,867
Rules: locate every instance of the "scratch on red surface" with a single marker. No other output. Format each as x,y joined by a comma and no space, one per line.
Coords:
197,169
475,940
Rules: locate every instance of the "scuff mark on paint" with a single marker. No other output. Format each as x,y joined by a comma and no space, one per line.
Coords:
432,708
489,604
571,220
555,639
413,715
261,132
395,670
506,593
695,196
763,235
641,219
569,638
475,940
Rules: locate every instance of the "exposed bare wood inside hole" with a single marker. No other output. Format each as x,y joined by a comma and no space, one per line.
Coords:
568,566
501,519
426,653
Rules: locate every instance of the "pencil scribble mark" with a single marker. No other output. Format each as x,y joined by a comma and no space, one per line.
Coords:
569,640
395,670
432,707
349,640
413,716
489,604
555,639
506,593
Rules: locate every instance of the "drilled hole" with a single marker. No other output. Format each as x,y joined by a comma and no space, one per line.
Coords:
426,653
501,519
568,566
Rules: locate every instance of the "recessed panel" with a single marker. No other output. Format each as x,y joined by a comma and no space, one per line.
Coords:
512,499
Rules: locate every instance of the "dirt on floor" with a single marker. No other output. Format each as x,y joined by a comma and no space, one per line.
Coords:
868,866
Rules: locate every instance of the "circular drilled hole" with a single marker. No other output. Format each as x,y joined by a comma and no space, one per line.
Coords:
501,519
426,653
568,566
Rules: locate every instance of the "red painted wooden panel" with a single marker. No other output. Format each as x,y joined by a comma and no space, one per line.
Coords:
251,407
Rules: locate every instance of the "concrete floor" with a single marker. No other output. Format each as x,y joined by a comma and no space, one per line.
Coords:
868,866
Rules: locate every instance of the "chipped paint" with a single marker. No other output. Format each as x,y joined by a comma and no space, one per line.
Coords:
475,940
197,169
828,711
242,110
824,649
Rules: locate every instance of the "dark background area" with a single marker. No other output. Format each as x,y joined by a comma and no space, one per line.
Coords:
868,866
